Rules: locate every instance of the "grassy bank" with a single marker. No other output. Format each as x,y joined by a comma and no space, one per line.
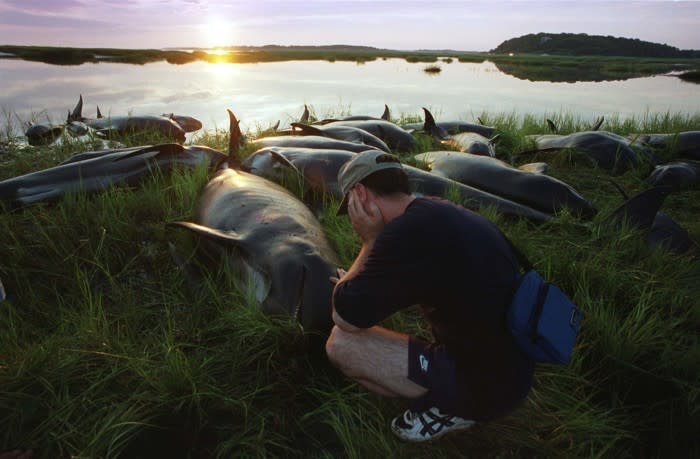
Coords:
105,351
536,67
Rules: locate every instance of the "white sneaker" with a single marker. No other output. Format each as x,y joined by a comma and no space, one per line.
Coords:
427,425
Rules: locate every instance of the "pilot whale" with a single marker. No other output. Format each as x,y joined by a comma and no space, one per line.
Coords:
262,228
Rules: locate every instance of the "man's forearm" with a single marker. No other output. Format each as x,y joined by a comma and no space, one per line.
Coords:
359,262
356,267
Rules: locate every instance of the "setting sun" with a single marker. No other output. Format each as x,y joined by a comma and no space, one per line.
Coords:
218,33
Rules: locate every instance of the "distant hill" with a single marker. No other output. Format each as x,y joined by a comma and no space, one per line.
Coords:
581,44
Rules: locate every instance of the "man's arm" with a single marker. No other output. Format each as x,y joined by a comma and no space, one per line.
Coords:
368,223
356,267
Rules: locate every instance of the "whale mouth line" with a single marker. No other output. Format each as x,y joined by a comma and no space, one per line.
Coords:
300,297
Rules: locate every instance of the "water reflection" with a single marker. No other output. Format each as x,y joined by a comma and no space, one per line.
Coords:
261,94
570,74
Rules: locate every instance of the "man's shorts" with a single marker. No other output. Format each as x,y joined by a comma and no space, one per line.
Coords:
432,367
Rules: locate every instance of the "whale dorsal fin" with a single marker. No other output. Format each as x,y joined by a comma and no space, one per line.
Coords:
235,137
429,123
305,116
598,123
641,209
386,115
77,114
432,128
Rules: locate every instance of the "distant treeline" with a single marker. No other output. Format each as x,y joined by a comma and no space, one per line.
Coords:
582,44
237,54
535,66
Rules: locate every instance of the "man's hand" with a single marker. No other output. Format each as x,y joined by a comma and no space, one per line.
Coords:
340,272
367,221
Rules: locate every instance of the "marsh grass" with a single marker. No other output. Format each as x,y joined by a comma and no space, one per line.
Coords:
107,351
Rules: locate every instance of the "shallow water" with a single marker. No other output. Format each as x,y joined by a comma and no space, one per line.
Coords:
261,94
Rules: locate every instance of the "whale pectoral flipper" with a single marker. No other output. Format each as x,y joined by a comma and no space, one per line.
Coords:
619,187
285,162
534,168
229,238
308,130
153,150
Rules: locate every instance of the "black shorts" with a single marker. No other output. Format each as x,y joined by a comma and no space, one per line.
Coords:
432,366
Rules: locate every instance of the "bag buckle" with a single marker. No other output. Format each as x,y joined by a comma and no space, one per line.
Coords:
575,319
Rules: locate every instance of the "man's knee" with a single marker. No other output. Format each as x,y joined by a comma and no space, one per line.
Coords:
339,347
334,344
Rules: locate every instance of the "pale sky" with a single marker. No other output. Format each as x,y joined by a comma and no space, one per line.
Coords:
431,24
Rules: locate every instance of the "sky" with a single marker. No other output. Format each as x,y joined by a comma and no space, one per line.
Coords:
432,24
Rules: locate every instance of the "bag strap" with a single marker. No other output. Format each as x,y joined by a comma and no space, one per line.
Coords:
522,259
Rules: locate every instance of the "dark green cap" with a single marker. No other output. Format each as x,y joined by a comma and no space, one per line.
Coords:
359,168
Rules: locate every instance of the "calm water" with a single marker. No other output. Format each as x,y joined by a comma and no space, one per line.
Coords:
260,94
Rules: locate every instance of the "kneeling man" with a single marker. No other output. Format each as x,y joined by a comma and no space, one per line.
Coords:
460,269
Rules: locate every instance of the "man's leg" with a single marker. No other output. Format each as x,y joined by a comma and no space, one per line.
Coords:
377,358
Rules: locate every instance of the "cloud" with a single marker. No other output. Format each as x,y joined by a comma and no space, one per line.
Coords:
42,6
474,25
41,23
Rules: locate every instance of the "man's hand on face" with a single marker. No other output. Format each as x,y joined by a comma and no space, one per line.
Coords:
366,219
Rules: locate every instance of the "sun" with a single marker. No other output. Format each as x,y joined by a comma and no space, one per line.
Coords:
218,33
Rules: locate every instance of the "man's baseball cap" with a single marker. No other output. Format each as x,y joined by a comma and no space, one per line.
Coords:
359,168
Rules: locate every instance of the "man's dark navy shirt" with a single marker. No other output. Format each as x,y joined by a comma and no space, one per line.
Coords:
460,268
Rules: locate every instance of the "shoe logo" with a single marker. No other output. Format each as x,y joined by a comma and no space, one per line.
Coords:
423,363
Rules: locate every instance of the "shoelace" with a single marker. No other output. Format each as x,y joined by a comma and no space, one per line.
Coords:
435,424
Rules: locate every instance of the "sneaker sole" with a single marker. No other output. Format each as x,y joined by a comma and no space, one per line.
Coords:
434,437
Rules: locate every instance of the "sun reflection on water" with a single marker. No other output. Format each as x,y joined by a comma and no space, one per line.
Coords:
222,69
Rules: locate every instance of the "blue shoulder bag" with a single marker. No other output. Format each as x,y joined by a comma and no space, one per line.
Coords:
541,318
